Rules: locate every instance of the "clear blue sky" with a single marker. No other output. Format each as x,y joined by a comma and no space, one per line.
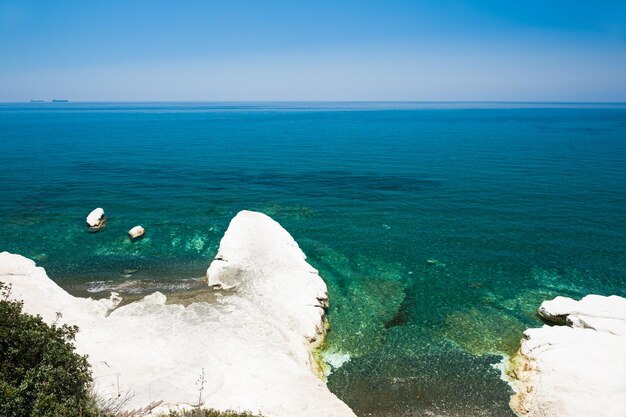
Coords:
313,50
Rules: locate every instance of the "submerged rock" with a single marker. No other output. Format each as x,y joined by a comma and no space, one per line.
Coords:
136,232
95,219
253,344
576,370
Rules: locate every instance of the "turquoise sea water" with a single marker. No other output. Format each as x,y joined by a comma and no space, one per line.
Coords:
439,228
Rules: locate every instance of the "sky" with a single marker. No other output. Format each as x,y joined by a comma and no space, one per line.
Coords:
365,50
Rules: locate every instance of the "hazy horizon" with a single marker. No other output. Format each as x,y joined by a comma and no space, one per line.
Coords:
237,51
163,101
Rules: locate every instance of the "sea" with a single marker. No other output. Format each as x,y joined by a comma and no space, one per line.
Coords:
438,227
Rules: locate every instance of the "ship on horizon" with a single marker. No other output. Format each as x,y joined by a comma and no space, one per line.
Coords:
59,100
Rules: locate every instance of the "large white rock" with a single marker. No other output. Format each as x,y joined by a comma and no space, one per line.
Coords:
95,218
253,344
262,261
578,370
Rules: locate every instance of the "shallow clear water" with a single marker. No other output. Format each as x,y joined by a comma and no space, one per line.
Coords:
439,227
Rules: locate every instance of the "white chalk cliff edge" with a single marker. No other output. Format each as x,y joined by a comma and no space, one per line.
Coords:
254,344
578,368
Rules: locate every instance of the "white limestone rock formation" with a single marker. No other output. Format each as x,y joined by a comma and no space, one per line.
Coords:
253,343
136,232
596,312
95,219
261,260
575,370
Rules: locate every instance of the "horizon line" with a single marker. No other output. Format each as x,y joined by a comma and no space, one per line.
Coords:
69,101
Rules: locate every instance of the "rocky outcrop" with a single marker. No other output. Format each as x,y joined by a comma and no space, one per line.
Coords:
606,314
95,219
249,350
136,232
263,262
577,369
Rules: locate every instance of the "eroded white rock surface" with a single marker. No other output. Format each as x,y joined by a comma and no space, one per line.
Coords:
95,218
253,344
606,314
574,370
258,258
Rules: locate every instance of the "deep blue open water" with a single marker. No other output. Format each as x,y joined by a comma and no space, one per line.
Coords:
439,228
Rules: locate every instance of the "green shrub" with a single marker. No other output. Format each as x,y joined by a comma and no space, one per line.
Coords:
40,374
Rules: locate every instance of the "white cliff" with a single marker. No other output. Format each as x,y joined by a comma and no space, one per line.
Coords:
263,262
577,369
254,344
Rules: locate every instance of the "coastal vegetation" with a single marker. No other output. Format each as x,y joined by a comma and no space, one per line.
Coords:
41,375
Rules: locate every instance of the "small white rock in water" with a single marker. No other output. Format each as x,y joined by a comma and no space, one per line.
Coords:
136,232
95,219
